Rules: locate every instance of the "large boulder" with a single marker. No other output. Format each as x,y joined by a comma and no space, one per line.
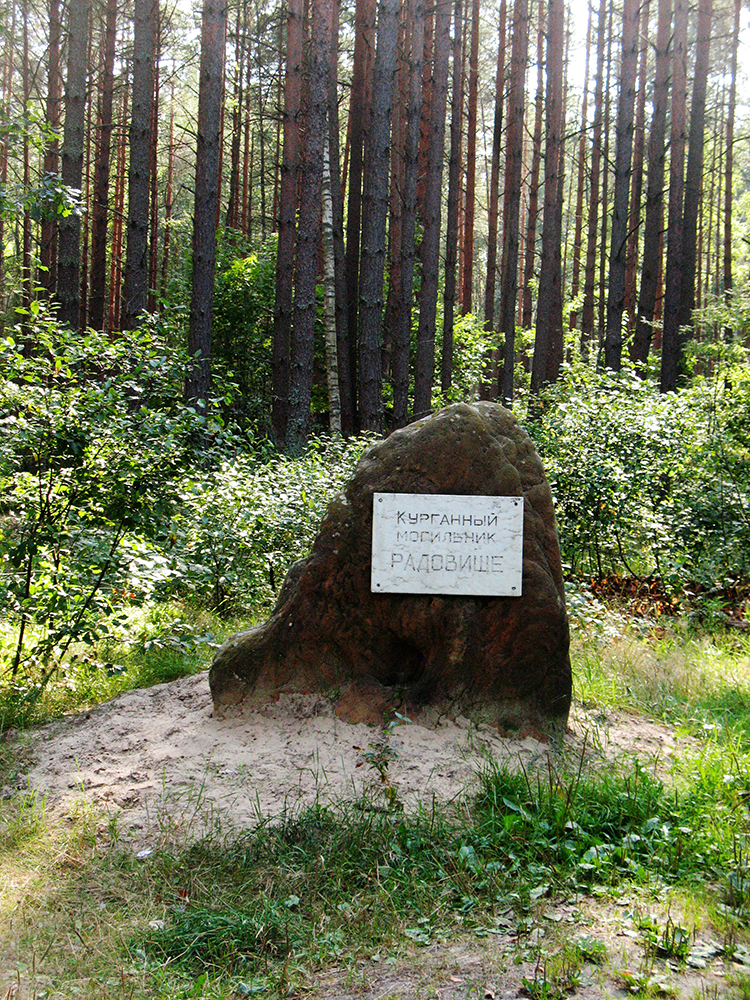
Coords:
500,659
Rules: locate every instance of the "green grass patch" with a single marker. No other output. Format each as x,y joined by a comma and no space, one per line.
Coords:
262,912
155,644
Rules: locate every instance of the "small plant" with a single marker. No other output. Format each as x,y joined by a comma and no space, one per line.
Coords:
93,438
590,949
671,941
379,755
559,983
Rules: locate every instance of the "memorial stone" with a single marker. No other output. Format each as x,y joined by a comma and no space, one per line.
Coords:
434,586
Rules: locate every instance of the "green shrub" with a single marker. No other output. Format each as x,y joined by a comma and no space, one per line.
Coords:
239,527
243,330
93,438
649,484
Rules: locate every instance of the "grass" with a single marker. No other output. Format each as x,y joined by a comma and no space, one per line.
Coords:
264,911
154,644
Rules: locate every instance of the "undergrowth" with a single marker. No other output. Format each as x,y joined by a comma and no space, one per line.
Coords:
263,910
213,915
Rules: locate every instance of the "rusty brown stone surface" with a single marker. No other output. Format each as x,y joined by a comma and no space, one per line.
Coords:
502,659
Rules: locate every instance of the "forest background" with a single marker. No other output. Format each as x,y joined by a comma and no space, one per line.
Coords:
226,233
236,243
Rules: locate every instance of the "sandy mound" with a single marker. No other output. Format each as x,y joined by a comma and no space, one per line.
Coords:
160,760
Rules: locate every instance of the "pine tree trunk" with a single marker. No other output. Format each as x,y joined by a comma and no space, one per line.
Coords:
592,235
69,260
395,233
548,342
135,286
636,184
346,399
314,125
581,184
623,156
361,89
153,174
729,161
670,348
6,80
603,242
207,191
651,259
26,275
694,172
100,213
329,299
115,262
454,170
429,250
536,165
85,216
168,200
374,217
48,248
287,226
233,199
403,313
471,165
512,195
494,192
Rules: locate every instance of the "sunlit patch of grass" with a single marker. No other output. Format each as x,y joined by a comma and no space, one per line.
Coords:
155,644
672,675
267,907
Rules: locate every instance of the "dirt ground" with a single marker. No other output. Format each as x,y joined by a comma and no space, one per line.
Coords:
158,763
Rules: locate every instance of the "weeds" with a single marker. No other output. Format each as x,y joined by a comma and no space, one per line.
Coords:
254,913
378,757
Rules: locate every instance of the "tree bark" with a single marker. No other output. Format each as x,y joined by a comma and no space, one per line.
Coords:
548,343
429,250
207,188
729,157
623,156
69,233
48,247
115,262
454,170
374,217
512,195
592,235
636,183
670,348
536,165
135,284
98,278
233,199
153,173
471,164
314,124
339,251
694,172
651,258
329,299
361,88
581,184
403,314
494,192
287,224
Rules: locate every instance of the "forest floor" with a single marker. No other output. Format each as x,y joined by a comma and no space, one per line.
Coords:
157,766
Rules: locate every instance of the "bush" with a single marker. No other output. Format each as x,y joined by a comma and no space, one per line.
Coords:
650,484
243,330
93,438
238,528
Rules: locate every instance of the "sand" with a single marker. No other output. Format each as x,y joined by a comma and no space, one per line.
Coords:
159,760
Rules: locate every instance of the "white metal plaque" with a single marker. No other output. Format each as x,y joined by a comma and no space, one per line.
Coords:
436,544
